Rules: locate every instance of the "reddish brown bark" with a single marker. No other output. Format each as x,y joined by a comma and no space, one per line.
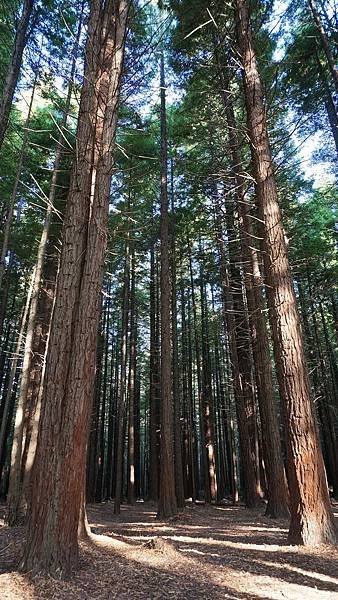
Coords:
207,399
132,387
167,505
179,486
153,386
311,513
36,337
271,443
18,347
240,363
57,478
121,403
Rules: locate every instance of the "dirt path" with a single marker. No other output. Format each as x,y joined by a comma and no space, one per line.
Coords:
206,553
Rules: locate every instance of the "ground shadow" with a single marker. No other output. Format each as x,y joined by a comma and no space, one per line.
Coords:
215,554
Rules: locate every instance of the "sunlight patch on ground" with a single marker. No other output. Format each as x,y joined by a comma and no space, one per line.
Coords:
275,589
228,508
194,551
105,541
130,524
225,543
262,528
270,587
303,572
232,556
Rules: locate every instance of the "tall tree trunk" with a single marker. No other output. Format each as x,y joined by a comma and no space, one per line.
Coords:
175,364
167,505
14,67
217,384
325,42
92,453
208,442
5,348
332,357
203,454
132,386
121,403
57,478
6,410
187,367
137,418
324,402
112,412
153,408
4,459
277,490
233,307
311,513
35,343
100,494
245,387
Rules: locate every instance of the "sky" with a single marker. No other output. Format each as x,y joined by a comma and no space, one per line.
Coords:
320,172
314,170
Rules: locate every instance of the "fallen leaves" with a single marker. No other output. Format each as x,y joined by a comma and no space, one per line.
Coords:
206,552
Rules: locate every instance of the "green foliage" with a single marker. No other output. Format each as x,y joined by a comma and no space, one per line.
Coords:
8,13
313,228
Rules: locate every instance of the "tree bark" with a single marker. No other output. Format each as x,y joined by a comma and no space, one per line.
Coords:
311,513
179,486
208,442
187,367
203,454
14,67
277,489
6,410
153,375
112,412
324,402
131,490
92,453
100,484
240,359
36,338
167,505
52,534
121,403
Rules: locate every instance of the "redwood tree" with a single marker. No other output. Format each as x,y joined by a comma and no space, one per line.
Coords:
311,513
167,505
272,452
57,477
27,411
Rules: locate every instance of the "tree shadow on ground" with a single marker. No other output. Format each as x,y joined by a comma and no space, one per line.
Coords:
253,544
288,566
215,556
104,573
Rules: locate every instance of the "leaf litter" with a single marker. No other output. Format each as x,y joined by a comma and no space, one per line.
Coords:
205,552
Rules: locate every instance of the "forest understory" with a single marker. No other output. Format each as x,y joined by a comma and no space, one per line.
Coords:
205,552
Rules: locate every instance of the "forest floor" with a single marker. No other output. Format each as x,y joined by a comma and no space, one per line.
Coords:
204,553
